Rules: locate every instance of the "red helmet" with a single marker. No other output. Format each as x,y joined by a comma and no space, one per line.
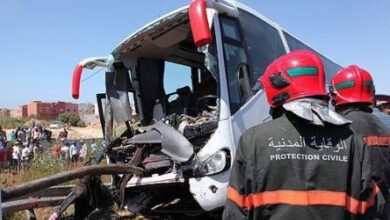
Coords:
292,76
352,85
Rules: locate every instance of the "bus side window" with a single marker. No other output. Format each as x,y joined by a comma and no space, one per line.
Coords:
330,67
234,56
262,44
250,45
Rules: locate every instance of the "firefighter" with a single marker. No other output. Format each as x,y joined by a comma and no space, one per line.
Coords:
304,164
352,91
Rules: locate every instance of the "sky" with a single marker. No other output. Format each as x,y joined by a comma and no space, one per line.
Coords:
41,41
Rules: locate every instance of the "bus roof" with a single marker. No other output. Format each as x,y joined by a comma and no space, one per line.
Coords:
130,42
122,46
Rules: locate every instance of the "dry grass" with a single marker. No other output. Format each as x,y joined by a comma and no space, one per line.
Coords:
42,166
8,122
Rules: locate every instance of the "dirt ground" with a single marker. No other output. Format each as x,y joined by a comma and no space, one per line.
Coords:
80,133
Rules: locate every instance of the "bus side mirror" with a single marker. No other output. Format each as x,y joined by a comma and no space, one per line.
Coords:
199,24
76,81
89,63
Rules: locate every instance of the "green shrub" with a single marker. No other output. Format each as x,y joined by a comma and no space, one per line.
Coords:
11,123
72,119
80,124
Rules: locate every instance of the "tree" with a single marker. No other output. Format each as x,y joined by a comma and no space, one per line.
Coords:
72,119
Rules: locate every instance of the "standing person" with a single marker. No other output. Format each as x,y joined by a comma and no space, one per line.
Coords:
3,146
352,92
26,156
8,153
83,151
65,152
40,129
47,135
65,133
3,155
74,153
22,135
16,131
12,136
31,145
36,134
56,151
35,148
28,133
16,155
32,125
63,136
304,164
3,135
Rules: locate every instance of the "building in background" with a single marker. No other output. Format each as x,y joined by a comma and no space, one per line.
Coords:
19,112
4,112
40,110
64,107
86,109
44,110
87,113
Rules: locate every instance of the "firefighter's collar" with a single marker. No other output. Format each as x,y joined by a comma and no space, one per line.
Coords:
343,110
315,110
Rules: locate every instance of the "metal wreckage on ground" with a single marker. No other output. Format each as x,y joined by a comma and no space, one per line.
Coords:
174,151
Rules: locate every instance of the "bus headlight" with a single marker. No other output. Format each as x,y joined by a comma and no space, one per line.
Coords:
215,163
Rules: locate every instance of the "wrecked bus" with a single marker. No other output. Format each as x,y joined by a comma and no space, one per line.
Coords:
190,134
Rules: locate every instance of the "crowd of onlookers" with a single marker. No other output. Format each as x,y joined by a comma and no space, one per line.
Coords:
24,144
70,151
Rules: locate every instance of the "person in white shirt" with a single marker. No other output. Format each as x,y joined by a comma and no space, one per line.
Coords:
26,156
36,134
16,155
65,152
26,153
74,152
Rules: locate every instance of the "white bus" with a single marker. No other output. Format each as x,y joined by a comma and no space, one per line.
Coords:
215,51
